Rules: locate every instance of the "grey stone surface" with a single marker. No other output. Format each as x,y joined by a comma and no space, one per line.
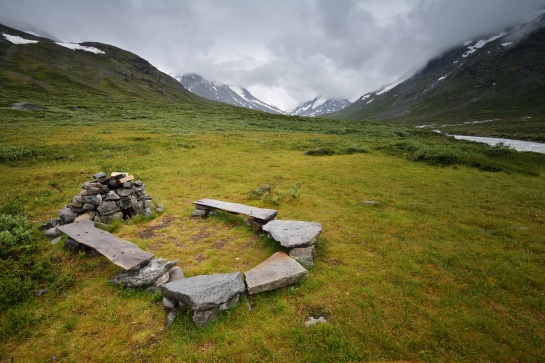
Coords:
99,175
149,204
93,199
230,304
73,245
161,280
169,303
88,207
205,291
147,212
112,195
126,203
67,215
87,215
138,207
159,210
53,233
108,207
41,292
293,234
123,193
54,241
199,213
51,222
204,317
144,276
171,317
277,271
303,255
111,218
176,274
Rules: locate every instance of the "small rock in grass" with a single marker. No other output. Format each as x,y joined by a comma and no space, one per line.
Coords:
312,321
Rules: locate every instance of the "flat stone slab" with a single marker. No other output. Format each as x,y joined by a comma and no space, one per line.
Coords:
205,292
253,212
123,253
277,271
293,234
303,255
145,276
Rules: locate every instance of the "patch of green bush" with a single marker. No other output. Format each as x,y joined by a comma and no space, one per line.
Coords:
15,152
320,151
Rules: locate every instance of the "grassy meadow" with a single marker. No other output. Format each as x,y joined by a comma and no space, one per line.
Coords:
448,266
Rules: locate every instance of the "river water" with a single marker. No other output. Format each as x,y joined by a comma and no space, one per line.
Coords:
518,145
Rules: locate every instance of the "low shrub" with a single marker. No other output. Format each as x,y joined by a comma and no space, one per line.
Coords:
14,152
320,151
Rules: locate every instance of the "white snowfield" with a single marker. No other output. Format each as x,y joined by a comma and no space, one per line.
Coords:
481,43
76,46
18,40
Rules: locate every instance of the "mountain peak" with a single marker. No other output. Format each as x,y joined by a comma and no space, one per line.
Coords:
233,95
319,106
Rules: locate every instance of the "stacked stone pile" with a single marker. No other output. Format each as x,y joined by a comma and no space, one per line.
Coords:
105,199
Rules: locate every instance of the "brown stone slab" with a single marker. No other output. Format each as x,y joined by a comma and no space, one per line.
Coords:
123,253
253,212
125,179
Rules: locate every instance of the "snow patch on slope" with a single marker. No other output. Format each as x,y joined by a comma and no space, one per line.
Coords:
76,46
481,43
18,40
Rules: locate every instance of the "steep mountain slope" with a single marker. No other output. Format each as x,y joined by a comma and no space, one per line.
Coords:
319,106
498,77
32,67
223,93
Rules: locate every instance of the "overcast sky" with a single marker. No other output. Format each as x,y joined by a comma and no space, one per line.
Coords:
283,51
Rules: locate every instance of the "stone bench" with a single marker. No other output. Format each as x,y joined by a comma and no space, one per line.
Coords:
256,216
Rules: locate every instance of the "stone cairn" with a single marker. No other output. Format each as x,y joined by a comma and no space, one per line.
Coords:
105,199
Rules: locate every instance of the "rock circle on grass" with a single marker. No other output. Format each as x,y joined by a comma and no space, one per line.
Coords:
156,269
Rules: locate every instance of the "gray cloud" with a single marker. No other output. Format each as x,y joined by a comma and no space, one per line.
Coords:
284,51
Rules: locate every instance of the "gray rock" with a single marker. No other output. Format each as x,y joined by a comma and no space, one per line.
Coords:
144,276
292,234
303,255
159,210
73,245
50,223
41,292
199,213
138,183
108,207
123,193
88,207
88,215
159,205
205,291
204,317
176,274
77,204
149,204
99,175
126,203
126,185
93,199
147,212
230,304
94,190
54,241
53,233
169,303
67,215
138,207
277,271
171,317
110,218
112,195
161,280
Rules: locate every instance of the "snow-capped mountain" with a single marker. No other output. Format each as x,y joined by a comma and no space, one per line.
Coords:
319,106
223,93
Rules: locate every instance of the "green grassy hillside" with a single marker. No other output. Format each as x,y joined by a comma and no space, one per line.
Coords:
447,266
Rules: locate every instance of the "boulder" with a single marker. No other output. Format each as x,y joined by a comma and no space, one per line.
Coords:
67,215
124,192
108,207
88,215
303,255
50,223
205,292
52,233
88,207
95,199
73,245
169,303
99,175
293,234
176,274
147,212
112,195
126,203
144,276
202,318
118,216
277,271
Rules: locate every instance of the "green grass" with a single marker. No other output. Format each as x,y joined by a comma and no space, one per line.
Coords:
447,267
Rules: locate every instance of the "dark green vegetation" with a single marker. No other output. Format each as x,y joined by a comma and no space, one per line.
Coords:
448,266
502,84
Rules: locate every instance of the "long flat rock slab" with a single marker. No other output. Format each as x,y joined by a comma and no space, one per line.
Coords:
293,234
205,292
277,271
123,253
257,213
